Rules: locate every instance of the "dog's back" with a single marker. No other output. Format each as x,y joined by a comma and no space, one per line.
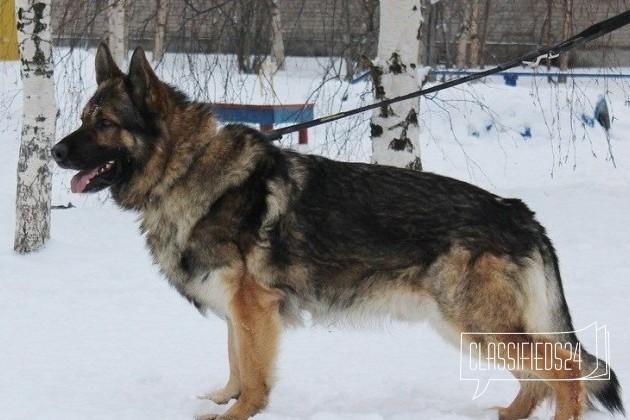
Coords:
356,241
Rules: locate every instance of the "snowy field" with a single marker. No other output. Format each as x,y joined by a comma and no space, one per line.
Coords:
89,330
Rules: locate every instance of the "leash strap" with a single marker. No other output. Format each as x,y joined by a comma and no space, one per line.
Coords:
532,59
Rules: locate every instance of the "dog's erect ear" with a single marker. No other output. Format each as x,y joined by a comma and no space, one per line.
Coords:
106,67
145,85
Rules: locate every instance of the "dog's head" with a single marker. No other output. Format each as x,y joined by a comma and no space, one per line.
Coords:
120,125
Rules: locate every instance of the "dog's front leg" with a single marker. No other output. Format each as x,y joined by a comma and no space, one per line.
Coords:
255,318
233,387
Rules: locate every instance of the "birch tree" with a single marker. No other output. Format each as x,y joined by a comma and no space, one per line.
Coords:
462,36
117,30
160,29
32,218
277,44
346,39
474,33
394,129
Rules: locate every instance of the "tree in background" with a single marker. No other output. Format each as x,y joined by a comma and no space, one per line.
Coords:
159,36
277,44
117,30
473,33
357,34
250,25
462,36
394,129
32,218
346,40
567,22
483,32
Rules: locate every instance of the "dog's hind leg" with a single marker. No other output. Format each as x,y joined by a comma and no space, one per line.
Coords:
554,365
233,387
490,296
255,316
531,394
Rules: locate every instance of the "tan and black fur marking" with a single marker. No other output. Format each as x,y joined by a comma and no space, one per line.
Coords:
260,236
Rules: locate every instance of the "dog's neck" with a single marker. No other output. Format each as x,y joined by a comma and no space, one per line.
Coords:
175,152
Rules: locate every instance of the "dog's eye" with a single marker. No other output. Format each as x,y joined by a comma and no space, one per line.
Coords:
105,123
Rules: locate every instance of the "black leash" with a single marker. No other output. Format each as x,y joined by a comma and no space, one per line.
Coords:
532,59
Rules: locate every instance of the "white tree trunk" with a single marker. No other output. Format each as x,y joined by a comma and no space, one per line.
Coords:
462,37
277,44
162,7
474,33
117,31
346,40
394,130
32,218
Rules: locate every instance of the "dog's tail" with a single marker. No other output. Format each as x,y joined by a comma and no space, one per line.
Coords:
603,387
605,391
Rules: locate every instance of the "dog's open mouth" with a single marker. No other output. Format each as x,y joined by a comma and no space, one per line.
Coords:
80,181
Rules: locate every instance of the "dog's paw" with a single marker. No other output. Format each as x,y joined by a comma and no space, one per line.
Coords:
220,397
208,417
505,413
216,417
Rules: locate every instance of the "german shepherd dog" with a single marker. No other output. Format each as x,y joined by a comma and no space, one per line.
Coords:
262,236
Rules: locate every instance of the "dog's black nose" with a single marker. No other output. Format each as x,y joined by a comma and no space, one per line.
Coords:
59,152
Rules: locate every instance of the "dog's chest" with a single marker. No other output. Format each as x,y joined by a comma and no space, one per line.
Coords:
167,238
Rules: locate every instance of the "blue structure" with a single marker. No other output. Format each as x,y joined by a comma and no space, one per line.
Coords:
511,77
266,115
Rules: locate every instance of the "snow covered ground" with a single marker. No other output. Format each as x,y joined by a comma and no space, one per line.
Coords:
88,329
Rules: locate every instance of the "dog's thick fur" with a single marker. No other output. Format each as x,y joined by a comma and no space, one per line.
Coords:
260,235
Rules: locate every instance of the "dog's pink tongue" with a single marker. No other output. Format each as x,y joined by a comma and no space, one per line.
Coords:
81,180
